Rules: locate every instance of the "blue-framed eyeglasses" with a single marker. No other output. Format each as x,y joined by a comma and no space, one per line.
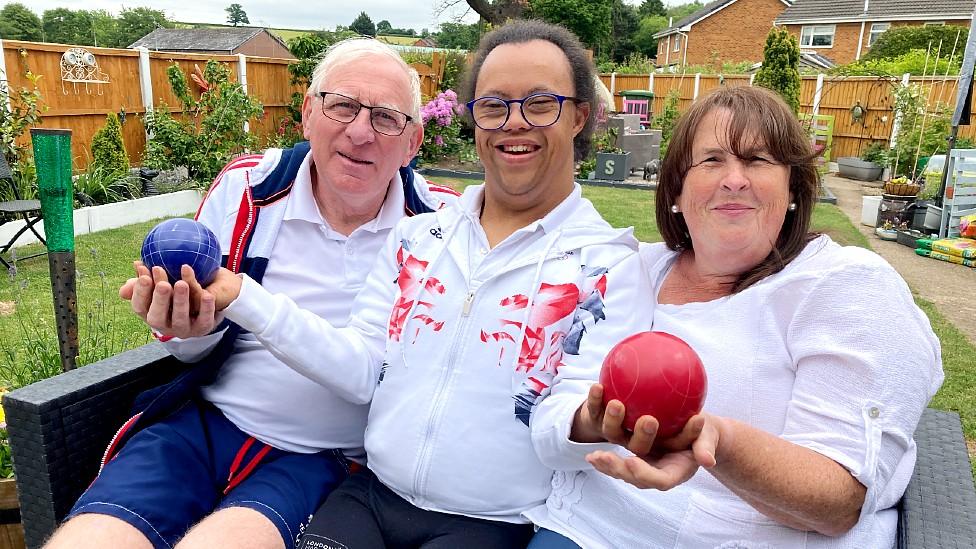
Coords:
539,110
345,109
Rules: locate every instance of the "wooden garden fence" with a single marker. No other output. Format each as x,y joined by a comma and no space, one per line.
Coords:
134,81
819,94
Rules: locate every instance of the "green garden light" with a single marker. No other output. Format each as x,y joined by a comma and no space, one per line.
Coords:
52,155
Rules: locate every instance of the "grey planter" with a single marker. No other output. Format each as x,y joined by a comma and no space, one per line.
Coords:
852,167
613,166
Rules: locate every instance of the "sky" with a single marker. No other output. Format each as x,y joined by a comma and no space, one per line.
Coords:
415,14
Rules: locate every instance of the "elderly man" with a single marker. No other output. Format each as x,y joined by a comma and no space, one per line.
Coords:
241,448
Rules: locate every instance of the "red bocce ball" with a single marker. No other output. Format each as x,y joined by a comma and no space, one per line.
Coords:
655,374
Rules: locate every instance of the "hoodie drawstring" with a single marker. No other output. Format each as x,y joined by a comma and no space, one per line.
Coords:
534,290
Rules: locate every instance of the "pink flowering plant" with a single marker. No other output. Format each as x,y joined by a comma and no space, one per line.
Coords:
441,118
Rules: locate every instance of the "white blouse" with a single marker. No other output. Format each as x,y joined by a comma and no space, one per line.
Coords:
831,354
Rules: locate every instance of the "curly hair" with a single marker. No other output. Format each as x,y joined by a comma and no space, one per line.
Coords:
521,31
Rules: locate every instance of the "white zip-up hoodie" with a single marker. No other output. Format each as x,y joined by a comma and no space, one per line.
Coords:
456,343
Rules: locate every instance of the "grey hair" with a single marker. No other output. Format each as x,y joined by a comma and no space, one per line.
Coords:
352,49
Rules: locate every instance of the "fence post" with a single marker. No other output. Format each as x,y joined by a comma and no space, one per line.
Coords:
613,83
145,82
650,82
4,90
694,97
896,125
751,78
817,94
242,78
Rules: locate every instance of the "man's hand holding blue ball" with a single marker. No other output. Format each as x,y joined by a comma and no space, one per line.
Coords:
179,307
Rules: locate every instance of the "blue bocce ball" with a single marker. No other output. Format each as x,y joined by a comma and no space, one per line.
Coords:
177,242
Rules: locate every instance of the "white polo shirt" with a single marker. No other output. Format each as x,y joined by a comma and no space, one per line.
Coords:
322,271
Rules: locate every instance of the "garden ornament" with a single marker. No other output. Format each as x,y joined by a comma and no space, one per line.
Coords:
857,113
651,168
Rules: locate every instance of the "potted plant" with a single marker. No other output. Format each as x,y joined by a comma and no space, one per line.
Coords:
901,186
612,162
866,168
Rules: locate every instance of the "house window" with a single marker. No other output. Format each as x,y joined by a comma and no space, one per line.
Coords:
877,29
934,23
817,36
677,42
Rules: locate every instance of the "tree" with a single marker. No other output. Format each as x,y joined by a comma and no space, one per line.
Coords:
363,25
383,27
780,70
625,23
649,8
236,15
17,22
458,36
64,26
591,20
493,12
80,27
104,27
108,149
135,23
901,40
308,49
644,40
684,10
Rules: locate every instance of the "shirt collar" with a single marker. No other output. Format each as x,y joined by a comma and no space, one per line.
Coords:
302,206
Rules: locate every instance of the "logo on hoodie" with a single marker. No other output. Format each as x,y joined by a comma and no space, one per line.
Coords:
535,322
412,283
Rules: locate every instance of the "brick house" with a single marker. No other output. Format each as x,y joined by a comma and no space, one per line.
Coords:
253,41
722,31
843,30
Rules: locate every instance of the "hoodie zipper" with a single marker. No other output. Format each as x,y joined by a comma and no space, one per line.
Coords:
423,460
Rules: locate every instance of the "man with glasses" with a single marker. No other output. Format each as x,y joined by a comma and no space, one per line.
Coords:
468,317
242,448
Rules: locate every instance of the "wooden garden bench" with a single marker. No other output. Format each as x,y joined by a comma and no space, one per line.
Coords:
59,428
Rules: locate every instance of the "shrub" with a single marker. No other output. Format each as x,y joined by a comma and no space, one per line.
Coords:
101,185
780,69
454,67
211,130
20,113
912,62
442,127
108,150
901,40
286,134
636,63
919,133
876,152
667,119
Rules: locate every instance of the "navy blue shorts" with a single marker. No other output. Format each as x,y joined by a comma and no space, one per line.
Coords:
174,473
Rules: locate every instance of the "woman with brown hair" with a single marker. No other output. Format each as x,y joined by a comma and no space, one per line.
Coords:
806,435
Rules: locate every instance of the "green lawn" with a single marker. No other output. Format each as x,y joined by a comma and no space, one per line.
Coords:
104,262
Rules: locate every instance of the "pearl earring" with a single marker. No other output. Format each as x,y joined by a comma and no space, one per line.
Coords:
792,207
674,208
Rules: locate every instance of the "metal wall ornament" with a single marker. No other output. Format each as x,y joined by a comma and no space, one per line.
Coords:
79,66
